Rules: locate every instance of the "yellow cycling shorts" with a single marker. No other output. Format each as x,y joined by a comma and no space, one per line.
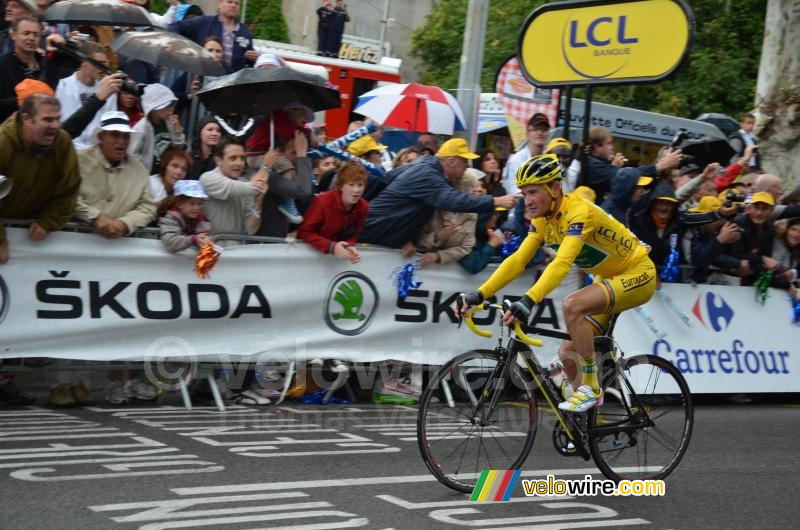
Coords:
626,290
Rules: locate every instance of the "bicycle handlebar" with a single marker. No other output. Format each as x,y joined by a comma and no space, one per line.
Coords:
530,341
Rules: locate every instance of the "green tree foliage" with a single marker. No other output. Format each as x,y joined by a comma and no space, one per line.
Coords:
265,19
719,76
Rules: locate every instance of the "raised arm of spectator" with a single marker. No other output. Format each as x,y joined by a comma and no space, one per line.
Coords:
734,170
164,21
686,191
188,28
223,188
81,118
445,197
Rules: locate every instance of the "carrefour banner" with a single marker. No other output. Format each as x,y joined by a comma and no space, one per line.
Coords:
80,296
601,42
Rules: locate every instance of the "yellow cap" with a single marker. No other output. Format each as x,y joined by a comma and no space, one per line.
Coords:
585,192
557,142
644,181
364,145
762,196
456,147
707,204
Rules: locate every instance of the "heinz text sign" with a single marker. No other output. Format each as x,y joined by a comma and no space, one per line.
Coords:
607,42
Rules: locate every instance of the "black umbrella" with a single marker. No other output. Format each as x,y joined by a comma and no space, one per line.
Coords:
257,92
723,122
706,152
167,49
97,13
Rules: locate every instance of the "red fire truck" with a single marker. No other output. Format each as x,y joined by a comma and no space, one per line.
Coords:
353,78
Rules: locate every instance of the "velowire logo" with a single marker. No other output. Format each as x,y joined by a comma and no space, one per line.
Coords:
351,303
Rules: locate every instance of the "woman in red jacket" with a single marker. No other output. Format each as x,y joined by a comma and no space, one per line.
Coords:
335,218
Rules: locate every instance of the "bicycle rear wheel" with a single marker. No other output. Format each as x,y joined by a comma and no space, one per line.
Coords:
457,438
648,410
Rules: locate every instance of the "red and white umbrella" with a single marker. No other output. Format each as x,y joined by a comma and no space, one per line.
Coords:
413,107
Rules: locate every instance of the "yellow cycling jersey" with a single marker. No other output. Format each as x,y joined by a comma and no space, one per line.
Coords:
581,233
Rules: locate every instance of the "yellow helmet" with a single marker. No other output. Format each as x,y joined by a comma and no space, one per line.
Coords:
541,169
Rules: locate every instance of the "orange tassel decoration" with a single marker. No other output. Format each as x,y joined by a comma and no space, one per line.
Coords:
206,259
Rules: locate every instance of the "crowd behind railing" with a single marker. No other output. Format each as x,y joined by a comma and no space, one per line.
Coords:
79,145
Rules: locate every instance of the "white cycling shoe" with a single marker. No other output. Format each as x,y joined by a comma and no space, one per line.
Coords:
582,400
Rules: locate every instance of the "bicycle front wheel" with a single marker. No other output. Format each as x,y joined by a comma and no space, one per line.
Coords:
459,436
643,427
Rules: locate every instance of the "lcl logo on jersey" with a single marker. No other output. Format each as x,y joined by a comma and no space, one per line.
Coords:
711,309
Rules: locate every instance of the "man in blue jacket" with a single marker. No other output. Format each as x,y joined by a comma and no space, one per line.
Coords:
397,216
237,41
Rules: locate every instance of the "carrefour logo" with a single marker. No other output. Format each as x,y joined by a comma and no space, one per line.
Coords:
4,300
351,303
712,310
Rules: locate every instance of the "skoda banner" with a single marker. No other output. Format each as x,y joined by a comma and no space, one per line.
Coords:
606,42
79,296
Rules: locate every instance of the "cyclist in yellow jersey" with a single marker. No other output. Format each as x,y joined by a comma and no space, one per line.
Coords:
583,234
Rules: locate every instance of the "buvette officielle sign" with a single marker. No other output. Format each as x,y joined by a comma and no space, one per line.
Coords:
605,42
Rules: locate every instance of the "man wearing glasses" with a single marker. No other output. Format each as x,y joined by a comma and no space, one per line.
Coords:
538,127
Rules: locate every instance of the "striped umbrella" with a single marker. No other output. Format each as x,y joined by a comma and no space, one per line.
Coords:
413,107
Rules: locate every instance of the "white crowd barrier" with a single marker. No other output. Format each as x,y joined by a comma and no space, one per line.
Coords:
79,296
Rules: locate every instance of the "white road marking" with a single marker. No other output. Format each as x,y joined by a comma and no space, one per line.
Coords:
370,481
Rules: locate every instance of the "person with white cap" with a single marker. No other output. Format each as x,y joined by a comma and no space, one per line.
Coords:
184,225
159,129
397,216
115,192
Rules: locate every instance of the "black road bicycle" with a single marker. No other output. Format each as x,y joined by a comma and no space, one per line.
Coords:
479,411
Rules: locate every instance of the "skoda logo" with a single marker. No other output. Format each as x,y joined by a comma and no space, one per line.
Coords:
351,303
4,301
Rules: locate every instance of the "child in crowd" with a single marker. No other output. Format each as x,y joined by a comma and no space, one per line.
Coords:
335,218
159,129
184,225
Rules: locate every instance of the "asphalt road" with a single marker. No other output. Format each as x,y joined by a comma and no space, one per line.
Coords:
348,466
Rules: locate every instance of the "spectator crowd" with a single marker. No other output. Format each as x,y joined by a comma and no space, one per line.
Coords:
80,145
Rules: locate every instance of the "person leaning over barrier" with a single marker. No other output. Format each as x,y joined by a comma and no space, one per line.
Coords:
184,225
38,157
400,212
754,247
115,192
450,236
334,220
585,235
234,203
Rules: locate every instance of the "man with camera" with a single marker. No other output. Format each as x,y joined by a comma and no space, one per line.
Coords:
74,91
757,234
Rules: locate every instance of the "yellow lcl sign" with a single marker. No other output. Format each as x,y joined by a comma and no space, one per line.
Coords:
598,43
